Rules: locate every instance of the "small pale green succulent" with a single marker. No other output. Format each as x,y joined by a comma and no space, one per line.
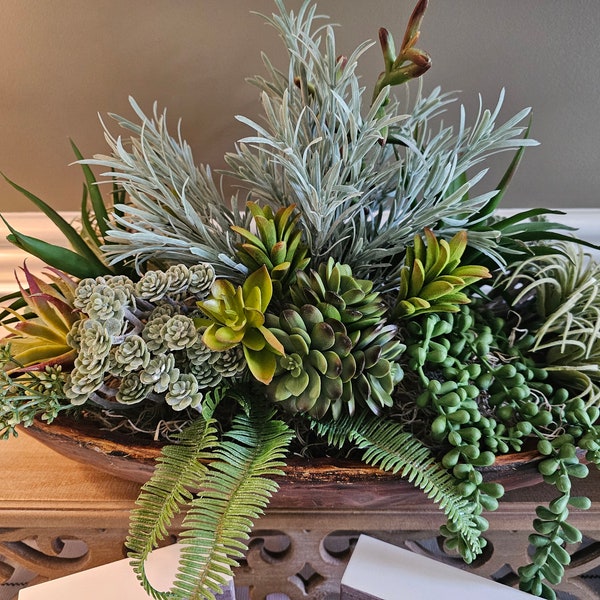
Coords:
432,278
277,245
237,316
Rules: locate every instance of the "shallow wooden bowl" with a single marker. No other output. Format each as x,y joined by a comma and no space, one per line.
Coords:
318,483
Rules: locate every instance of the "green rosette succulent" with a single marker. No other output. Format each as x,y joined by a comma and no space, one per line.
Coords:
432,278
236,316
338,295
277,245
337,352
317,364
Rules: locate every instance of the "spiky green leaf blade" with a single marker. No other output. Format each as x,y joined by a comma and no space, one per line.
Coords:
95,196
522,217
85,219
7,311
494,202
55,256
77,242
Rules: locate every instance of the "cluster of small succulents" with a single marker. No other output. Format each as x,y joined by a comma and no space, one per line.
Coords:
139,341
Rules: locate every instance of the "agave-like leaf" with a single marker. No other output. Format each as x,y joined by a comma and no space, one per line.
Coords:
39,339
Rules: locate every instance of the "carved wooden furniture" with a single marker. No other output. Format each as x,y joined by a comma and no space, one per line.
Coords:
48,501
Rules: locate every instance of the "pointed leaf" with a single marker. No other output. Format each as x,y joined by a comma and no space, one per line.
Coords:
417,279
85,219
435,289
262,281
262,364
272,341
98,205
65,228
56,256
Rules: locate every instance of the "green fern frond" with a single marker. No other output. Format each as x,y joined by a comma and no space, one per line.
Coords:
178,471
236,490
388,446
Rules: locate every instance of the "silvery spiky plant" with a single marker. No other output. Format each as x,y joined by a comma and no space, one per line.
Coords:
319,149
175,211
364,295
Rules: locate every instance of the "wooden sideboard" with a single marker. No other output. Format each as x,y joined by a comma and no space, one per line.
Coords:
58,516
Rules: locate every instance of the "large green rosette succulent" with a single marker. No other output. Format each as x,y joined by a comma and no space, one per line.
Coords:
338,349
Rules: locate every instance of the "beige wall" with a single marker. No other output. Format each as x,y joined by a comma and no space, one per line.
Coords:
63,61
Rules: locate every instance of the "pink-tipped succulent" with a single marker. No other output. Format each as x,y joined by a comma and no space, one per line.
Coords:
39,338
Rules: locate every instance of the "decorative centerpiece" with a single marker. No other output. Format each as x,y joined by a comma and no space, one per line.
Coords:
359,295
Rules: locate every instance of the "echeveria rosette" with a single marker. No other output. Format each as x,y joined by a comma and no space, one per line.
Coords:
432,279
237,316
334,290
41,341
310,377
339,351
376,351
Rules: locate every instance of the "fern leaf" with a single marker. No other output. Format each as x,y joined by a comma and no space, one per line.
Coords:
236,490
178,471
390,448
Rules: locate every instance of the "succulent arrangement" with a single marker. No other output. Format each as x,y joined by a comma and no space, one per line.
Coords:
359,291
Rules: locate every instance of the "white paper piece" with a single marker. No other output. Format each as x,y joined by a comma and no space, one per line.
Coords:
115,580
383,571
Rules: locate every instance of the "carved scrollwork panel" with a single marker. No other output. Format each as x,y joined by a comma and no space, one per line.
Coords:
38,554
297,563
304,564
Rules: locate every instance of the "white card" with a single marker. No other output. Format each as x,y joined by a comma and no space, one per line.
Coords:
378,570
114,580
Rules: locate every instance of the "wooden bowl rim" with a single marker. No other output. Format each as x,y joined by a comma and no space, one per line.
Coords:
65,431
